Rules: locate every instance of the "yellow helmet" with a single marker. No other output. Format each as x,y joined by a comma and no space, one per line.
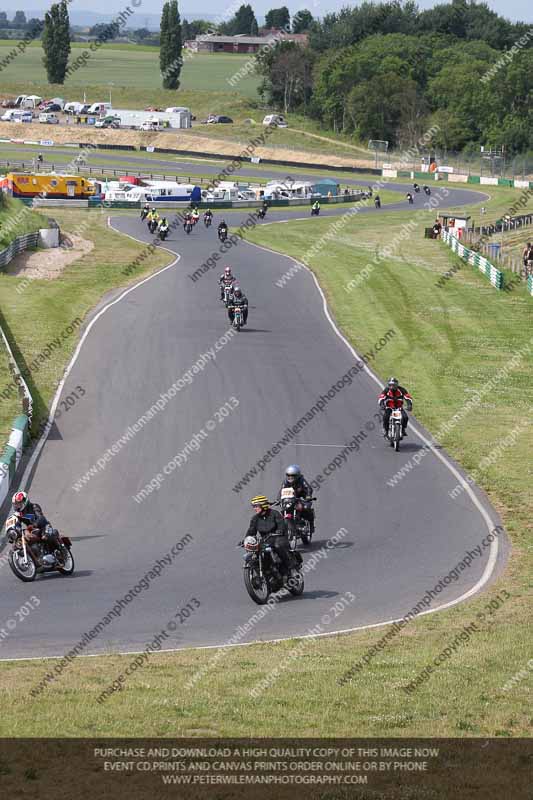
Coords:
260,500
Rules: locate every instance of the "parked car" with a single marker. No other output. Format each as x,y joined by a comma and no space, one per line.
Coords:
213,119
8,104
153,108
51,107
275,121
50,119
108,122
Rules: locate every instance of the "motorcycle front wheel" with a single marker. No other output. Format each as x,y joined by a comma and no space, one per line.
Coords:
68,562
24,572
256,585
295,583
305,533
397,437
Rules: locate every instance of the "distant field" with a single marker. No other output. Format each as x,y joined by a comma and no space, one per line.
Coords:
125,66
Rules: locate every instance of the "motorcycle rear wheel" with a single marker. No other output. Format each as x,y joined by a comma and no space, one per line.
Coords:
258,595
26,574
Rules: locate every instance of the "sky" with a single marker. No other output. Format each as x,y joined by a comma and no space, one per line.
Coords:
512,9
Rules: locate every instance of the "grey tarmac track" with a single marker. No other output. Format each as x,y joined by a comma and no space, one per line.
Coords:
399,543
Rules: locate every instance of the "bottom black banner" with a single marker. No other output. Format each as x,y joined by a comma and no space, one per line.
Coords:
332,769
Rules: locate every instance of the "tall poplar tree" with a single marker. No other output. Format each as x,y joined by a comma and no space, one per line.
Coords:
56,42
170,60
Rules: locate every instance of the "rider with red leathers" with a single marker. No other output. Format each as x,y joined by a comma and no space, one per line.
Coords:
227,279
393,396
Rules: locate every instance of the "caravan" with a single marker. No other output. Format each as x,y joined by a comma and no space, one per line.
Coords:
152,192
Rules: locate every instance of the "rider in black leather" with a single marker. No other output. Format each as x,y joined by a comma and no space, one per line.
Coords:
268,523
239,299
302,489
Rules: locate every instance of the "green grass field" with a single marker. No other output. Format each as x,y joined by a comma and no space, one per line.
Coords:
127,67
449,342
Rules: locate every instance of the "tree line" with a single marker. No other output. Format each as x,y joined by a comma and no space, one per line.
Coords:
390,71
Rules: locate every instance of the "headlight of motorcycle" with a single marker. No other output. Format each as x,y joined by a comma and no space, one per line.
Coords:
251,544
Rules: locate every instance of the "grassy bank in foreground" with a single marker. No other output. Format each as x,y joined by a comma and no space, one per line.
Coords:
448,342
47,309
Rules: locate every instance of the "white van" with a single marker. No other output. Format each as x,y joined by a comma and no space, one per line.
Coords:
50,119
14,115
151,125
99,108
275,121
31,101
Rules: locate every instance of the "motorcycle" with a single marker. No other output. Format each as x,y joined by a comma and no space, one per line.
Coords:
238,317
261,213
26,560
262,570
377,202
152,225
410,198
223,234
291,509
195,219
163,233
207,221
315,212
144,214
416,187
226,296
427,190
395,434
187,227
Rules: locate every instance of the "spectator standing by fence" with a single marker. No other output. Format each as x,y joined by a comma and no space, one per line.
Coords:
527,257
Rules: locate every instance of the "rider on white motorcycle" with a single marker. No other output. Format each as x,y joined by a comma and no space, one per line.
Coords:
226,279
393,396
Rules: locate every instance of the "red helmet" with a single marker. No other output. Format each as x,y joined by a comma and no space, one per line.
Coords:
20,501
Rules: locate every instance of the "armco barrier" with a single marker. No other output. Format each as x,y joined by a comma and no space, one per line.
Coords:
530,285
475,259
17,246
24,392
10,459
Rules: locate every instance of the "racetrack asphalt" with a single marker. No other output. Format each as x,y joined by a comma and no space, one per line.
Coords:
396,543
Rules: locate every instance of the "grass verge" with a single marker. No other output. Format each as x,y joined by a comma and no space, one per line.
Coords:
47,309
449,342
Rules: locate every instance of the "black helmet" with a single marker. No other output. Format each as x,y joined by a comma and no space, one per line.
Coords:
237,291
